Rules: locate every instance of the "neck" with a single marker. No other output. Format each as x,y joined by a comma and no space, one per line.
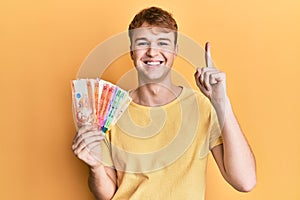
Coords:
155,94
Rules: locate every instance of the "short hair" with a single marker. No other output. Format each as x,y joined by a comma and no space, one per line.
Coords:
154,16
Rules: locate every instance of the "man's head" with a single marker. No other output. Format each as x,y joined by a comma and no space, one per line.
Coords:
153,37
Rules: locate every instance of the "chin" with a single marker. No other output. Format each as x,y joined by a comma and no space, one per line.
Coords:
152,79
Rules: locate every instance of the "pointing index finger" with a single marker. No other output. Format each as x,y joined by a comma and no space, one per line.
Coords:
208,59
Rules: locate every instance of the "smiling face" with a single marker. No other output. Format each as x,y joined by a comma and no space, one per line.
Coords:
153,50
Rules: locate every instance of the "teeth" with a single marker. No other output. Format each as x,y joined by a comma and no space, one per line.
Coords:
153,62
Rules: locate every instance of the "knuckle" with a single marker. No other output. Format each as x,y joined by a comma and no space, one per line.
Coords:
75,151
83,142
80,156
80,137
81,130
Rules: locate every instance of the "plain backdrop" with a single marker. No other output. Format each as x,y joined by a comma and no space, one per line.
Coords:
43,44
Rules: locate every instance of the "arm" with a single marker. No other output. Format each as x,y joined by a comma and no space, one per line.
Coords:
234,157
102,182
86,146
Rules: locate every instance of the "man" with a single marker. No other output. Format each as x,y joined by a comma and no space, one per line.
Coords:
159,147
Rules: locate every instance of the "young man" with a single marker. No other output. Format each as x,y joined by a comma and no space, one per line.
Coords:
159,147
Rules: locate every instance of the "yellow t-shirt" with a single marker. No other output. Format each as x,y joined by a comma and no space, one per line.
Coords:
161,152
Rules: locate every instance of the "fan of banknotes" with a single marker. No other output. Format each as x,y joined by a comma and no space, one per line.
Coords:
98,102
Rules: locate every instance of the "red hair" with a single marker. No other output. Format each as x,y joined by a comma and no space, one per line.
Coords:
154,16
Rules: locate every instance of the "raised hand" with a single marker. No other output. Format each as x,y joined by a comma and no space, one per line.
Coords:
235,153
211,81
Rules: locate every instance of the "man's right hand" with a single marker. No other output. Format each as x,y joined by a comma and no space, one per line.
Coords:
86,145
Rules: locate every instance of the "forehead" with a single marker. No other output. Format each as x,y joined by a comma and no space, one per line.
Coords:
153,33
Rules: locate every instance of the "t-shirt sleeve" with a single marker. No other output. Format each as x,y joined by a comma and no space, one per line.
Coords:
215,137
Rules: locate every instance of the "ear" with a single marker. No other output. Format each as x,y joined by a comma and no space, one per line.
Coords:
176,50
131,52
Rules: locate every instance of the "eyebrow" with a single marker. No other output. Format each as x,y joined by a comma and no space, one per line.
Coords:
167,39
143,38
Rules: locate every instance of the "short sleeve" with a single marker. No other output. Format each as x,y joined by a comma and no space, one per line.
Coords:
213,135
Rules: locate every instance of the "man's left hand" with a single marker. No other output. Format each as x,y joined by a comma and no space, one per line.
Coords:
211,81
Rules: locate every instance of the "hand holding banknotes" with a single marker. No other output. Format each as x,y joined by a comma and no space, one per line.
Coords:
97,106
86,145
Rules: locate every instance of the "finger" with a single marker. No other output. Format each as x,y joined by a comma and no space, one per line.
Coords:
208,59
217,77
206,77
205,73
83,146
88,144
197,76
94,147
83,154
206,80
84,130
91,135
212,78
204,90
81,131
200,76
87,138
95,150
79,148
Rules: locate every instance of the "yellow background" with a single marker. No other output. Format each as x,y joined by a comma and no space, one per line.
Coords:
43,44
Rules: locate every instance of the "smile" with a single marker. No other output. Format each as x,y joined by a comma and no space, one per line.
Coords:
153,63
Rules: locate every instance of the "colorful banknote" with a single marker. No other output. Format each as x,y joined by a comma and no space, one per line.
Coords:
98,103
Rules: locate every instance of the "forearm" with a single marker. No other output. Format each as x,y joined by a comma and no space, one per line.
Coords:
238,159
102,183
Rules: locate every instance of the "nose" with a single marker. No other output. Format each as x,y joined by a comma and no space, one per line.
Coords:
152,51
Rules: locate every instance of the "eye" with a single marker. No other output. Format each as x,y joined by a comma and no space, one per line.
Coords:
163,44
142,44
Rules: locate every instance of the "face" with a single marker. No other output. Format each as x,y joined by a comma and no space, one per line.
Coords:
153,52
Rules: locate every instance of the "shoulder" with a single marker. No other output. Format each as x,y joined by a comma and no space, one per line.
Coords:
190,93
